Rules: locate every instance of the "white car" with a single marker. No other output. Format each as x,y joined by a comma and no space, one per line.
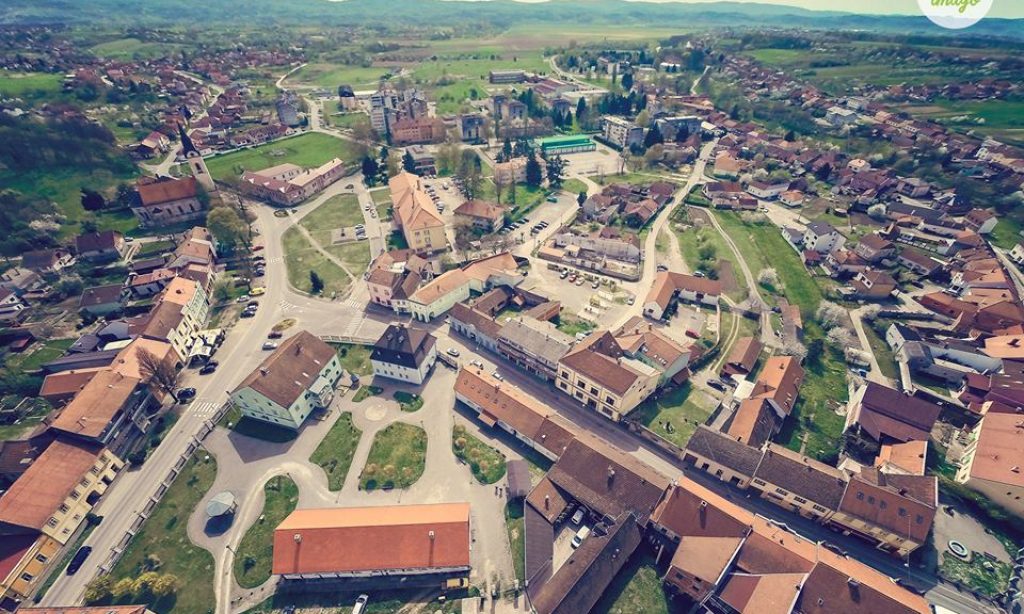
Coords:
498,376
452,352
360,605
582,534
270,345
477,364
577,518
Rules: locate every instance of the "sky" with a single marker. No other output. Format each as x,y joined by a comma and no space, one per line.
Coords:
1000,8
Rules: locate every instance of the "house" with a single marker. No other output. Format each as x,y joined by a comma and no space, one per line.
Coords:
621,133
438,296
179,312
423,160
885,415
44,509
148,284
12,306
742,357
822,237
288,184
792,198
874,248
1017,254
105,246
873,284
394,276
981,221
47,260
471,127
669,287
913,187
918,262
502,405
475,325
600,375
506,76
404,353
534,346
481,215
415,214
640,340
165,201
102,300
296,379
416,545
991,461
839,117
106,409
767,191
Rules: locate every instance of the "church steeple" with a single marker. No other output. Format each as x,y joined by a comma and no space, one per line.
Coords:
188,148
196,164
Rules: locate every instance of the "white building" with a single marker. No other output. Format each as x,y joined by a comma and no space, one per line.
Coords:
296,379
823,238
621,133
404,353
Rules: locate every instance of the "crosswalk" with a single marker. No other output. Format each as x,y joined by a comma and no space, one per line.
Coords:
289,307
203,409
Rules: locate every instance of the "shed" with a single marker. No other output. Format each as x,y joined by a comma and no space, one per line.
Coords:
518,479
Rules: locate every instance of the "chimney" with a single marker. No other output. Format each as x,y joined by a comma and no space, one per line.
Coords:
263,371
298,538
1015,469
547,501
431,535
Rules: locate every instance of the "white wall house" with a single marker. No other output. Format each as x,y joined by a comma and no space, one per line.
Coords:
405,354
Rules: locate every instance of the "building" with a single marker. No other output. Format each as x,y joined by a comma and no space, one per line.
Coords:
873,248
481,215
884,415
110,410
475,325
823,238
669,287
416,545
472,127
839,117
416,215
534,346
102,300
621,133
742,357
166,201
47,260
601,376
347,98
423,160
562,145
177,315
873,284
12,306
288,184
194,159
510,409
404,353
678,128
44,509
438,296
296,379
506,76
991,463
394,276
105,246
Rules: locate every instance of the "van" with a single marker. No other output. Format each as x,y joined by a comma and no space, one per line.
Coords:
582,534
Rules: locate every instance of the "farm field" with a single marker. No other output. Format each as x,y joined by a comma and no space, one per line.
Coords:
129,48
19,83
307,150
332,75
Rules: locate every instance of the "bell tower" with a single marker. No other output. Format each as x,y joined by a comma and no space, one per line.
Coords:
195,161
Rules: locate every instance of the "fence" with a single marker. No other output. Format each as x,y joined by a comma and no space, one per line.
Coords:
347,339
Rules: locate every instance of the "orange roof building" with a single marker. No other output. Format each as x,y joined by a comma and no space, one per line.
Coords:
357,541
993,461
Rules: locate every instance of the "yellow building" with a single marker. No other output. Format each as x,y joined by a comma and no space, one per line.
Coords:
599,374
44,509
416,215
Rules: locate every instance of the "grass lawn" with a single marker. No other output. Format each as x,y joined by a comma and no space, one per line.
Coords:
526,198
381,196
516,537
366,392
573,186
355,255
164,537
697,198
813,416
355,358
301,258
632,178
256,550
152,248
408,401
690,242
682,407
572,326
975,575
129,48
42,354
335,452
16,84
332,75
397,458
346,121
636,588
1006,234
307,150
486,463
883,354
336,212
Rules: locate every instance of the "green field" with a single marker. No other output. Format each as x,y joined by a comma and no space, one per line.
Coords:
330,76
780,57
16,84
355,255
397,458
339,211
486,463
683,408
163,542
307,150
637,588
128,48
38,355
64,187
355,358
256,550
336,450
301,257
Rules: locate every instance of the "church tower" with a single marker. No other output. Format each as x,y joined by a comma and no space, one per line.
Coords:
196,164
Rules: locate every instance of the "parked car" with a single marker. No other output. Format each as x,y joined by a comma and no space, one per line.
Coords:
275,334
498,376
253,304
582,534
186,394
259,273
242,299
579,515
269,345
595,285
452,352
717,384
580,281
258,291
360,605
208,368
477,364
632,300
78,559
248,313
563,274
552,199
662,267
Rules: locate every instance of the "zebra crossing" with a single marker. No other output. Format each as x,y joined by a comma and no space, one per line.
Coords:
203,409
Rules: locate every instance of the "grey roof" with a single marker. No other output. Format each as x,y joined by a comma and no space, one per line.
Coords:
821,228
541,339
724,450
802,476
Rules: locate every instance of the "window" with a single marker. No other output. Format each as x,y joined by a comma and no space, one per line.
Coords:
800,499
27,577
860,496
903,512
919,519
52,522
782,491
64,508
818,508
882,504
871,500
41,558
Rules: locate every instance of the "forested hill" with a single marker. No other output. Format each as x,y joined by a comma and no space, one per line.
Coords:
440,13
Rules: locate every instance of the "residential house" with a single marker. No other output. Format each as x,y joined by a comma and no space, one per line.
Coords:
913,187
500,404
47,260
991,463
823,238
534,346
475,325
288,184
767,191
165,201
742,357
483,216
105,246
438,296
873,284
981,221
893,510
884,415
297,379
422,544
621,133
12,306
840,117
874,248
404,353
640,340
423,160
599,374
148,284
760,416
394,276
669,287
105,410
918,262
178,314
415,214
44,509
100,301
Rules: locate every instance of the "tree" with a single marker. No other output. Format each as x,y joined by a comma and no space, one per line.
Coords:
815,349
99,589
315,283
370,170
160,373
581,197
122,588
222,292
627,81
793,347
92,201
506,149
499,187
470,174
408,163
653,136
877,211
841,337
126,195
768,277
165,585
830,314
144,583
534,176
227,226
556,170
790,136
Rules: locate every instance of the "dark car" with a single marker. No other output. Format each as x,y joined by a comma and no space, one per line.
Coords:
208,368
275,334
714,383
248,313
186,394
79,558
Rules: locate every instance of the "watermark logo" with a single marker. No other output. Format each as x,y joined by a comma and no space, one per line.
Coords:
955,14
